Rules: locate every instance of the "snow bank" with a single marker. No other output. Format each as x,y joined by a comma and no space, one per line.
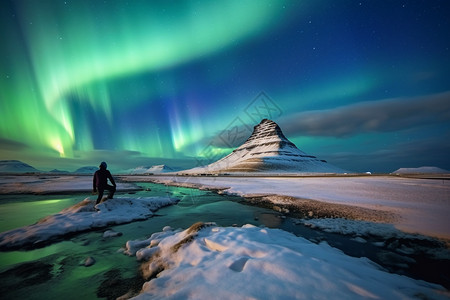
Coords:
83,216
206,261
52,184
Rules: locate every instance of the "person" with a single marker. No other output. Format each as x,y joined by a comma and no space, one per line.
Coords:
100,182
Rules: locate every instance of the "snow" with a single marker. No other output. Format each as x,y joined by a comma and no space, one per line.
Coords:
83,216
206,261
419,205
52,184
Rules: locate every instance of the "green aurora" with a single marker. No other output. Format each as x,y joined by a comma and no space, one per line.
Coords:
143,82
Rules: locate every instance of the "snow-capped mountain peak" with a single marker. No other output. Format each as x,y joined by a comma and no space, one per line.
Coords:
268,135
267,150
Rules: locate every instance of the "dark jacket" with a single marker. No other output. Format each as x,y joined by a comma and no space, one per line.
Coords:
101,179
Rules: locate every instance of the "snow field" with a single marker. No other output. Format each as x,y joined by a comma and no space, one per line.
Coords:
422,205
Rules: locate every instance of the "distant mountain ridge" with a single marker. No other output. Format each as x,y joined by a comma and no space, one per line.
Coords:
86,170
421,170
267,150
152,169
16,166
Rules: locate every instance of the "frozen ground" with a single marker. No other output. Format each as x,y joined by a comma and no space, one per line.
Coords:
52,184
81,217
412,205
206,261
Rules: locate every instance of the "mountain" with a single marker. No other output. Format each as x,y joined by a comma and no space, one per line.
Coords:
153,169
267,150
56,171
421,170
16,166
86,170
160,169
139,170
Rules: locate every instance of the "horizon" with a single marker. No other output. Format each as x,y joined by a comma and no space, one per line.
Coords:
364,85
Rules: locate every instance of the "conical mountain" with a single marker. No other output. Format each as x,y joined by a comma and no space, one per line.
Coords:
267,150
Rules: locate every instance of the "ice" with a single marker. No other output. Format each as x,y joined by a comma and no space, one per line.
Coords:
83,216
260,263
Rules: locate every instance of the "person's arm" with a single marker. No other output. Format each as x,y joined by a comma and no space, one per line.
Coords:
94,183
111,179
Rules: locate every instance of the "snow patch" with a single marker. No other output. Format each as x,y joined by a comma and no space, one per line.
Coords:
84,215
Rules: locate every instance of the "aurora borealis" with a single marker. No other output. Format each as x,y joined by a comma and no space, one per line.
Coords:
362,84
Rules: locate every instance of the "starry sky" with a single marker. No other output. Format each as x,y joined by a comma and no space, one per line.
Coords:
364,85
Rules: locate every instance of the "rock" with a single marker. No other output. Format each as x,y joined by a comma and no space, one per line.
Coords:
89,261
393,259
359,240
167,229
276,208
111,233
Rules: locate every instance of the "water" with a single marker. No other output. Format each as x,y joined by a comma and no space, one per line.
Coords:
20,210
55,272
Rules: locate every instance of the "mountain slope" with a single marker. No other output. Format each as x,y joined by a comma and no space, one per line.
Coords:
267,150
86,170
16,166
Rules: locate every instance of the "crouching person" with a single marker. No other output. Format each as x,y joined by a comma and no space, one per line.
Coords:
100,182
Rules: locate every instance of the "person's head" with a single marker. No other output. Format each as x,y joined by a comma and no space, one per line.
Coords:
103,165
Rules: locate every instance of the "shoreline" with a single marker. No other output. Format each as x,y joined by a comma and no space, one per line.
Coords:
353,201
300,207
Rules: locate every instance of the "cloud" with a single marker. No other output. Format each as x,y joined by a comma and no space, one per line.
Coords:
371,116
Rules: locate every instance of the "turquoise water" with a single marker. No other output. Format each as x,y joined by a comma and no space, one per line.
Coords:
54,271
20,210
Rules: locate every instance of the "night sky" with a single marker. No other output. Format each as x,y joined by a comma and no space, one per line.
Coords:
364,85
